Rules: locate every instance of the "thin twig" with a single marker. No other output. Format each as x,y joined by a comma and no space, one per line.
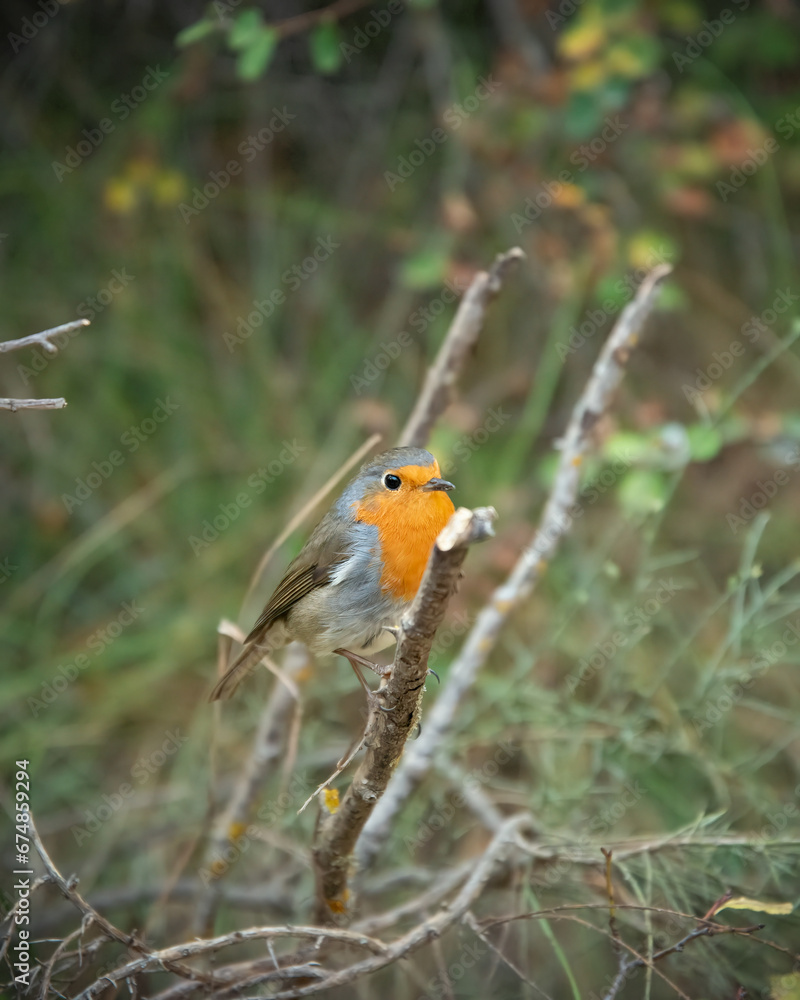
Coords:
437,392
67,889
154,960
42,338
472,923
640,962
267,752
56,403
555,522
58,952
396,707
481,873
612,910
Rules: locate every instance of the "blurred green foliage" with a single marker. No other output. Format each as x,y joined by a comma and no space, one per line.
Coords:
185,227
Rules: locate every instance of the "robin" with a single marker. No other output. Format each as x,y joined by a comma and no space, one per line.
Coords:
359,570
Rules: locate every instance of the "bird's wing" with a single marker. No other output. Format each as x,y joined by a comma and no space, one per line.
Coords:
317,561
327,547
296,583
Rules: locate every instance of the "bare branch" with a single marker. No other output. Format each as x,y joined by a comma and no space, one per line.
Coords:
67,888
396,708
473,924
267,751
156,960
481,873
42,338
57,403
555,522
437,393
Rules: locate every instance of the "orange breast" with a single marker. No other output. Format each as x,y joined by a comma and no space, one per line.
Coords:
407,524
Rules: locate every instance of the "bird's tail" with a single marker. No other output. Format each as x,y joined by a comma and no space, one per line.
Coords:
249,657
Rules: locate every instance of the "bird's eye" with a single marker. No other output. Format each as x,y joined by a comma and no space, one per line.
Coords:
391,482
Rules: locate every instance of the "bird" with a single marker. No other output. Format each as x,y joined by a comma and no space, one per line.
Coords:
359,570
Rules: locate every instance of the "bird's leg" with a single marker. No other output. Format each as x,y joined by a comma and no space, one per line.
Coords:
362,661
394,631
356,662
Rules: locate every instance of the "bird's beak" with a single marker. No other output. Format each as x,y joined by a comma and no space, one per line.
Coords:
437,484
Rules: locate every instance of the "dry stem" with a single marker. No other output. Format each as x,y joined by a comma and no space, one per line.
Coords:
555,522
396,708
437,392
43,339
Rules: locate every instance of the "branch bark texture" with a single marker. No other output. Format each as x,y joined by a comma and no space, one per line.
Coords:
43,339
395,709
555,522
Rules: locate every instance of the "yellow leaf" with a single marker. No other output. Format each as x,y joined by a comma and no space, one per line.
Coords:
236,830
120,196
168,187
785,987
588,75
757,905
569,196
332,799
583,38
622,61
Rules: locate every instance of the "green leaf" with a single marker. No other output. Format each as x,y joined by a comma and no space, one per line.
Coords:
255,58
582,115
326,54
247,29
756,905
774,45
425,268
704,442
642,492
195,32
